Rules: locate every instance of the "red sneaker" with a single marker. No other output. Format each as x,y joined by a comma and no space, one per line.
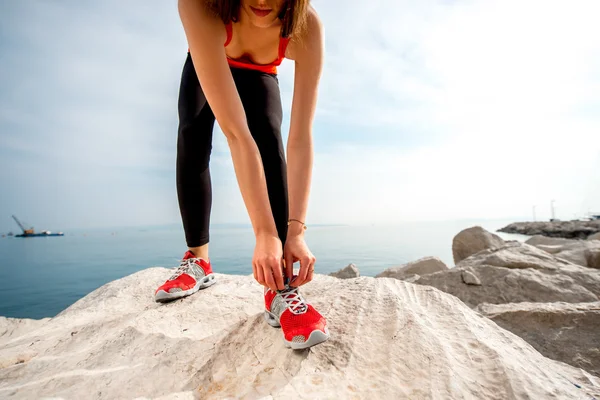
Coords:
192,275
301,324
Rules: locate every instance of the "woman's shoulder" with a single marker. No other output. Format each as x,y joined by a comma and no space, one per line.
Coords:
313,21
201,13
310,36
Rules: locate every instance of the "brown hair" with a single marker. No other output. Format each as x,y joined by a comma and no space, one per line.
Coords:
292,14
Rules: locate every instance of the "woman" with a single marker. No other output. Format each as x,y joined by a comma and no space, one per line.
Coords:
230,74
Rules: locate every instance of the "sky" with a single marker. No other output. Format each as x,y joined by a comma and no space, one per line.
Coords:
429,110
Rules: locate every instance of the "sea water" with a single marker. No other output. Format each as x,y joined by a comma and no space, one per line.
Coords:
40,277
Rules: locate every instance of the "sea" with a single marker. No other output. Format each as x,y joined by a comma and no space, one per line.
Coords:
42,276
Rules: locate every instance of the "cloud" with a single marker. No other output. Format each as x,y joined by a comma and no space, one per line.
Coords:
428,110
499,93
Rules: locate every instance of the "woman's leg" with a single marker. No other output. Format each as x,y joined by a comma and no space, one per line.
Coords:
261,98
194,145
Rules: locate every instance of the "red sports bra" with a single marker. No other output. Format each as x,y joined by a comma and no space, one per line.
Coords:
268,68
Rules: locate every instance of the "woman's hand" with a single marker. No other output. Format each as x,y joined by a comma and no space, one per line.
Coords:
297,250
267,262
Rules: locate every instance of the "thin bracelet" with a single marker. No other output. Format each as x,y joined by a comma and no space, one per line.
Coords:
303,224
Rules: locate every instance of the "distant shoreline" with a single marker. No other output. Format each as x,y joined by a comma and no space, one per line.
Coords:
562,229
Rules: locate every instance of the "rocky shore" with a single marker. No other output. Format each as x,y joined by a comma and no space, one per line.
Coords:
510,320
546,290
560,229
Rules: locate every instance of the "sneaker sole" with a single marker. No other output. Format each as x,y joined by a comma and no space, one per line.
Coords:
314,338
163,297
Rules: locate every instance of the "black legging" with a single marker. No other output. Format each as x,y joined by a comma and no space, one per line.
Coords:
262,103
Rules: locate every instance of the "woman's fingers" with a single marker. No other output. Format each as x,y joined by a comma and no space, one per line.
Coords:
289,266
277,274
260,276
302,274
269,279
311,271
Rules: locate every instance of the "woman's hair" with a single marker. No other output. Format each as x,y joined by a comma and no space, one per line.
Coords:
292,15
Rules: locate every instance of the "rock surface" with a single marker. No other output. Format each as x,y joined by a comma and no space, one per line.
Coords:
472,240
423,266
564,229
595,236
561,331
538,240
390,339
592,258
575,251
470,277
515,273
350,271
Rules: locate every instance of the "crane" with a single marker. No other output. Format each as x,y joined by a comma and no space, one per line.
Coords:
30,233
25,231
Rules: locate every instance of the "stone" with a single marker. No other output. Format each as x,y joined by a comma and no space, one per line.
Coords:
468,276
473,240
537,240
561,229
595,236
389,340
516,273
422,266
567,249
350,271
567,332
592,258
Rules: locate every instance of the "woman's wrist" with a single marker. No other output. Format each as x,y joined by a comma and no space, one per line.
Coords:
295,228
265,232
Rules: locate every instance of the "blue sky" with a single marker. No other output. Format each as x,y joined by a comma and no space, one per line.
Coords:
435,110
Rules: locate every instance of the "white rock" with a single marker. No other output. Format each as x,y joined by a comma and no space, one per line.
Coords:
390,340
422,266
566,332
349,272
517,273
595,236
468,276
550,241
592,258
473,240
572,250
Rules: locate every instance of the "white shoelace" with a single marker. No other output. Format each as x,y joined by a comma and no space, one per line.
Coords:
184,268
294,301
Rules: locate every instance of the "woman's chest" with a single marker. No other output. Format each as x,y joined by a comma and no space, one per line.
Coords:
253,48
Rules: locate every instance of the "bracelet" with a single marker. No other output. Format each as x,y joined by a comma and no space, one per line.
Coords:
290,221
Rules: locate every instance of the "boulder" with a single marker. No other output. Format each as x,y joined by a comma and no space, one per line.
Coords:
516,273
389,339
350,271
574,256
422,266
473,240
595,236
568,249
592,258
565,332
537,240
561,229
469,277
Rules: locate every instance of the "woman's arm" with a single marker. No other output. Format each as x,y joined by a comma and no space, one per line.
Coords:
307,52
206,37
308,56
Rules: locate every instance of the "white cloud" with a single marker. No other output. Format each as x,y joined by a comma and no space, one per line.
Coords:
507,87
469,109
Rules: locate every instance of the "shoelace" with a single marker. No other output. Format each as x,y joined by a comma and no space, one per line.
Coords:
184,268
294,300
